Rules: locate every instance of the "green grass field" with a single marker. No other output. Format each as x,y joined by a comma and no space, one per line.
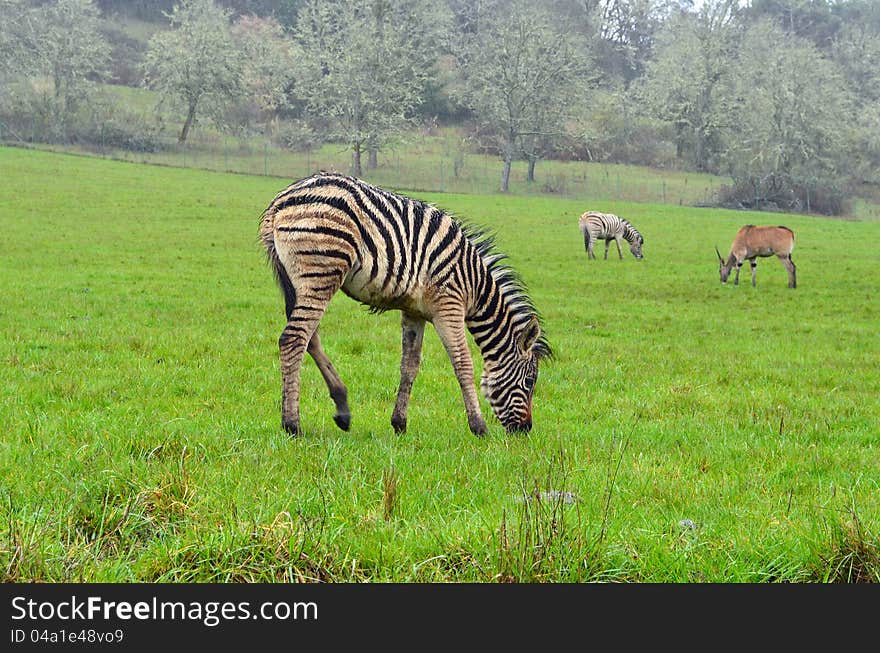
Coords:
685,432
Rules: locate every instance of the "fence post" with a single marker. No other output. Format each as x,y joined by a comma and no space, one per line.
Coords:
266,159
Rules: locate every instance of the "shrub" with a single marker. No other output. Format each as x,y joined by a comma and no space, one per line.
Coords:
102,123
778,192
296,135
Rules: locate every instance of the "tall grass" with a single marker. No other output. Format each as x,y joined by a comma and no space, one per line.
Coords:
686,432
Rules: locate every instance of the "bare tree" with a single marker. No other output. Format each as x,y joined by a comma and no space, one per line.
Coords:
269,65
61,41
195,63
788,132
363,65
545,123
13,22
517,71
856,49
269,60
681,84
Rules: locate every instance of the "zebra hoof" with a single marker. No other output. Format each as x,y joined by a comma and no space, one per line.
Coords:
478,426
291,426
343,421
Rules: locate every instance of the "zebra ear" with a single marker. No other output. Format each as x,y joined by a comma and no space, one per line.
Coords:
529,335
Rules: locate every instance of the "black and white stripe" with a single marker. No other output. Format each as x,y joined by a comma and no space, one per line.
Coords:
607,226
332,232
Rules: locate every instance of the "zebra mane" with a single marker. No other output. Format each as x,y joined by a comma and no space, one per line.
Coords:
511,286
630,230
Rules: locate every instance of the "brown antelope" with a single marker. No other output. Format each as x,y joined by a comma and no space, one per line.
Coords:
751,242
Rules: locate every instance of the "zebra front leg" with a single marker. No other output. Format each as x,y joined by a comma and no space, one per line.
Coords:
412,332
619,252
338,391
451,329
754,265
607,245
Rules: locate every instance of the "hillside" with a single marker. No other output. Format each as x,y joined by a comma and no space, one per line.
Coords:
614,135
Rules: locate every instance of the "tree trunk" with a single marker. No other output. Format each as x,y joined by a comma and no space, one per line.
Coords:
508,159
531,175
356,160
373,160
505,175
700,152
190,118
59,109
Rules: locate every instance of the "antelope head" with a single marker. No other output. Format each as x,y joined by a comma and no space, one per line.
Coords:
723,270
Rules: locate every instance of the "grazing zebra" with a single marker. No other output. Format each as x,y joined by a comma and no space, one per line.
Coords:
329,232
595,226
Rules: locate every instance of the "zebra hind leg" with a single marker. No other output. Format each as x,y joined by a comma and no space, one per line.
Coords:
588,244
338,391
304,314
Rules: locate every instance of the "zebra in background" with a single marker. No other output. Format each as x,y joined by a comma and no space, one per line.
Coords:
595,226
331,232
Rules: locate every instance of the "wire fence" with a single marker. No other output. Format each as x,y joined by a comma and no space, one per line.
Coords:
434,162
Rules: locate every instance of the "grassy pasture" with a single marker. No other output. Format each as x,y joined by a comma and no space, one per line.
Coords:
441,159
427,163
686,431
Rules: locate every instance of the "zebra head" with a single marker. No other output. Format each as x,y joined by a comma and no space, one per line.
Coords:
636,246
510,385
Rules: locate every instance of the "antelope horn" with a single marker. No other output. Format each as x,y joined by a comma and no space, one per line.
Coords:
720,258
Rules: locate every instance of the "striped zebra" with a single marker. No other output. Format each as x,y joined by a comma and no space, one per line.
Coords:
595,226
329,232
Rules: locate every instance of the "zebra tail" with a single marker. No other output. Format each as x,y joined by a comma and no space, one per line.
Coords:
586,233
267,237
